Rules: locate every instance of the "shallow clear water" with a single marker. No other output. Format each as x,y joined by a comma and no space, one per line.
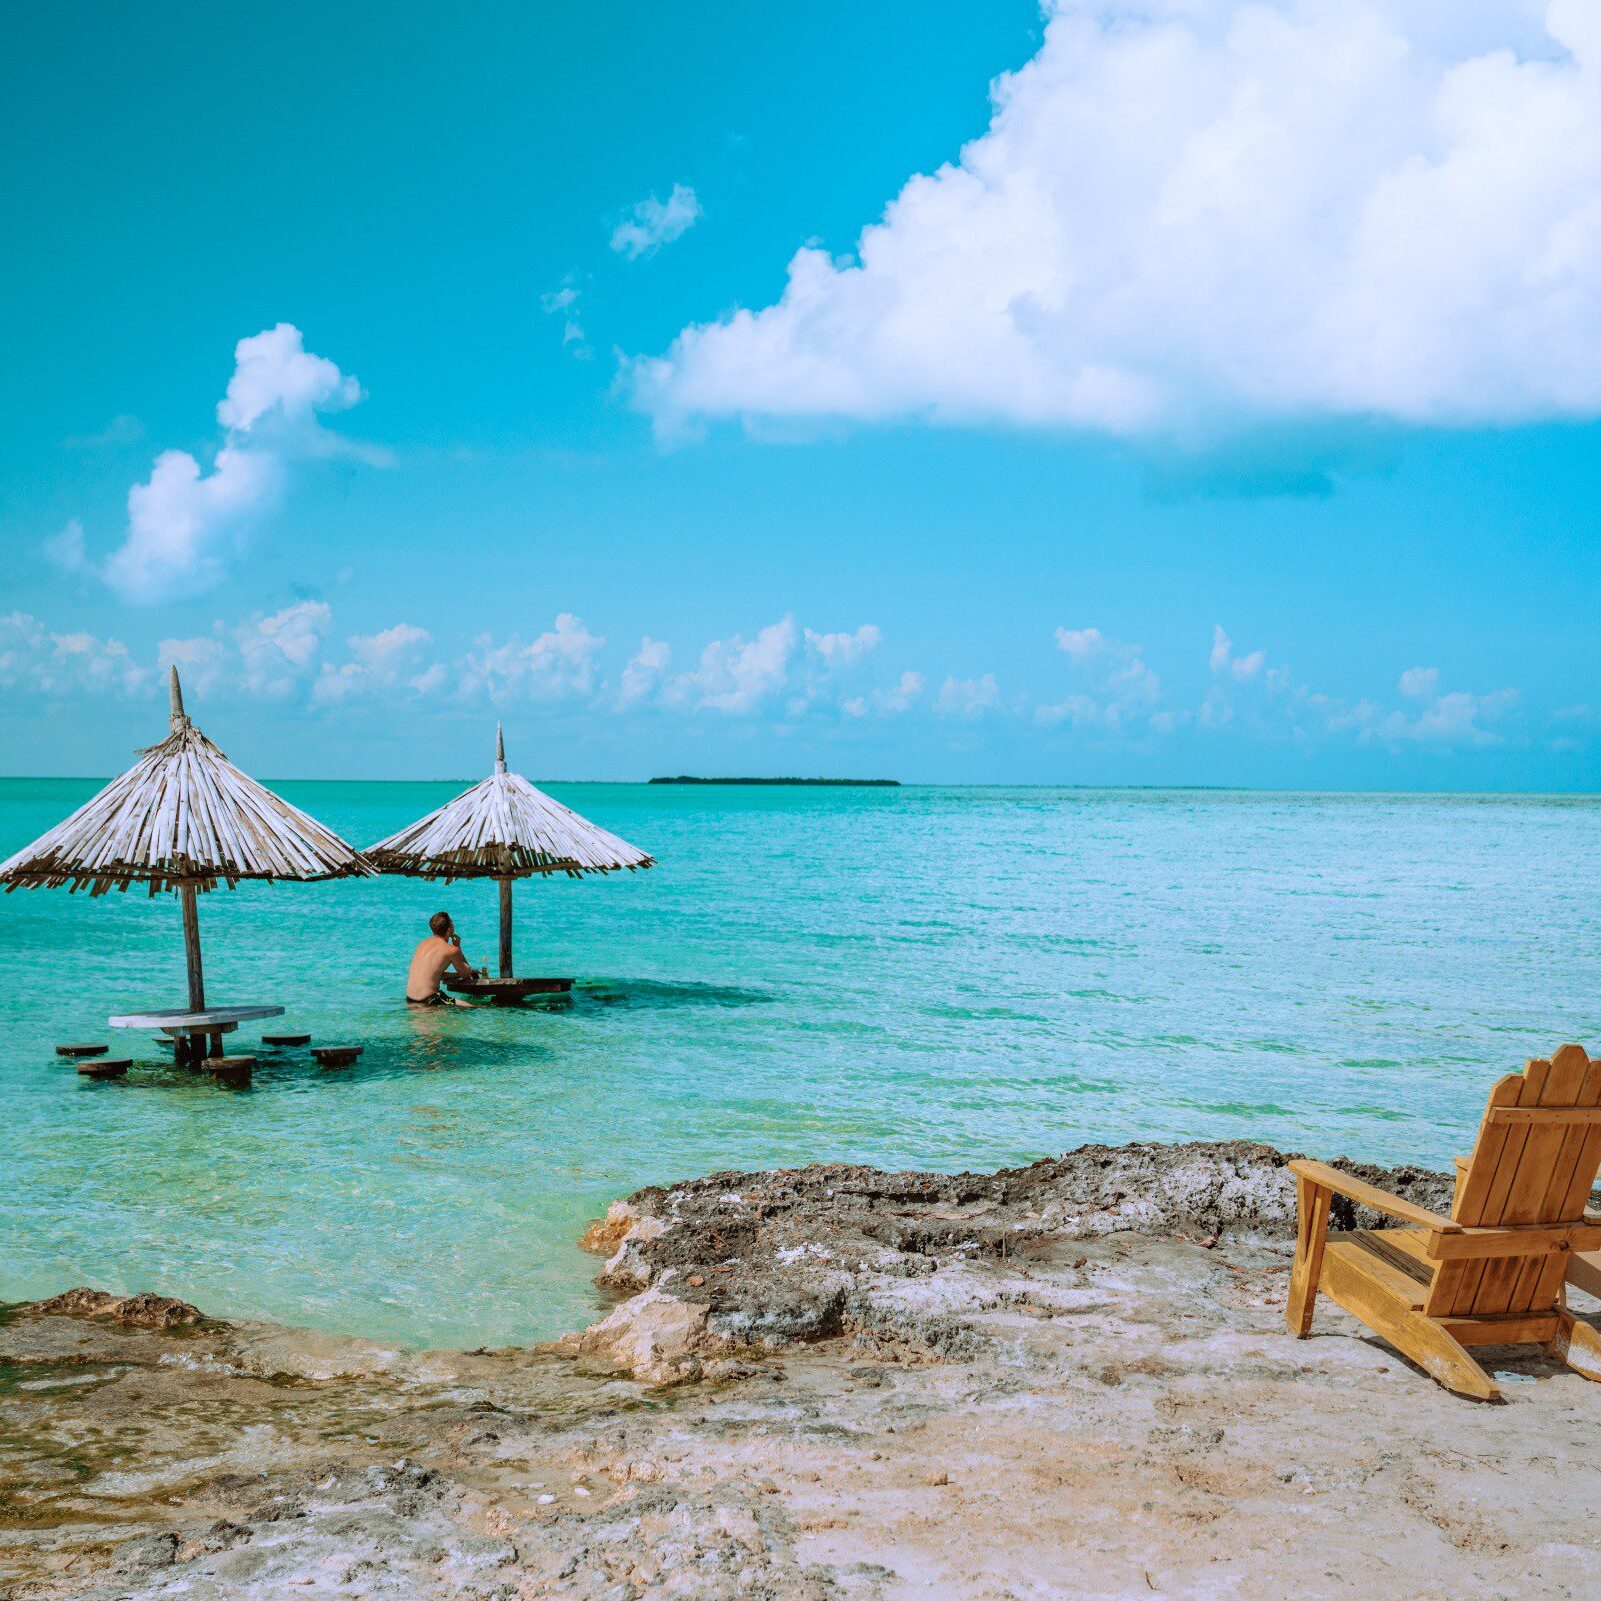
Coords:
940,977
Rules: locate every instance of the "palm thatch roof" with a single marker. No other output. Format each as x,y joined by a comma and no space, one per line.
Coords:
183,814
503,828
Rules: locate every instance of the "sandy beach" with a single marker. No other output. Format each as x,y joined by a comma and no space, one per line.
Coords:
1069,1379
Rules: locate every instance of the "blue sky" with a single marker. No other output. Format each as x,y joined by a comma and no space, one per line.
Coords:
1211,400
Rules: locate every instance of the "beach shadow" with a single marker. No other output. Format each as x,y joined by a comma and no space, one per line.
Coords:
1516,1358
595,994
447,1051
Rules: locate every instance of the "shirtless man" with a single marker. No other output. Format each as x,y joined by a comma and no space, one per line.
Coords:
441,950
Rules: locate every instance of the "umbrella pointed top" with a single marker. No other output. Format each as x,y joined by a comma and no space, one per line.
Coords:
175,692
500,748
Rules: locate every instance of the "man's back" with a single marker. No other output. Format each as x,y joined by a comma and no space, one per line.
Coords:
428,963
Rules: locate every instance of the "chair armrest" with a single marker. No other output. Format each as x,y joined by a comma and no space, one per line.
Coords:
1364,1194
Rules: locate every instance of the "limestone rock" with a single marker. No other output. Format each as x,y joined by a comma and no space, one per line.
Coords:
803,1254
145,1310
628,1268
653,1336
605,1234
271,1352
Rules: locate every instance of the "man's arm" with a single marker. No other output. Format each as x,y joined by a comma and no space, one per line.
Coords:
459,962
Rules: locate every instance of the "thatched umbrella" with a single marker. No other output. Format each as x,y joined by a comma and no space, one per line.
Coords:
183,817
504,829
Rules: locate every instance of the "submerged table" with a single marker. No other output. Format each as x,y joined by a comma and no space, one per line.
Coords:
198,1034
508,991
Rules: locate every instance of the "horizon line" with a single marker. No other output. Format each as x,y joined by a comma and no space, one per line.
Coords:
645,783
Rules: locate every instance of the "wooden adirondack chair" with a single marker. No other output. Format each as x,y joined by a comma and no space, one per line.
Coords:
1490,1274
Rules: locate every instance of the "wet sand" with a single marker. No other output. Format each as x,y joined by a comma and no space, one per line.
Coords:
1067,1380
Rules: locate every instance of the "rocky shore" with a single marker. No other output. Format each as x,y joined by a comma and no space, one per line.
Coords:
1068,1379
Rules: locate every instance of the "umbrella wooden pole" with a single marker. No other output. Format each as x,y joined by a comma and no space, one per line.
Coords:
191,1047
505,927
191,948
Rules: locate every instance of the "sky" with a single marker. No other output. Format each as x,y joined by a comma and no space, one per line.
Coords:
1114,392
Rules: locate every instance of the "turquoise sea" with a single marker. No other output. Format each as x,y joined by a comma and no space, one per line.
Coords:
942,977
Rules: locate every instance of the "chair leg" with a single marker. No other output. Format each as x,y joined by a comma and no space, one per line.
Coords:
1578,1345
1311,1230
1442,1357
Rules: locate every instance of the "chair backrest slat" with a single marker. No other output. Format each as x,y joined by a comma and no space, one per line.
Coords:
1573,1173
1524,1170
1494,1161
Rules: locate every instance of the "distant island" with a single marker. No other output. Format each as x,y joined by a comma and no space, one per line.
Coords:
825,783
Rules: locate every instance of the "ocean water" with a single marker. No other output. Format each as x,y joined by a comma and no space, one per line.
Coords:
947,978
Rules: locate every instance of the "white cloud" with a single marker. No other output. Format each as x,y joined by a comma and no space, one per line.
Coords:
968,698
1079,643
1266,696
781,670
340,683
386,653
1225,664
123,429
274,372
1117,686
560,664
644,672
903,695
278,652
1454,719
65,549
841,651
1190,211
431,680
387,660
653,223
736,675
179,520
900,697
45,663
203,661
285,658
184,522
563,304
1268,701
82,661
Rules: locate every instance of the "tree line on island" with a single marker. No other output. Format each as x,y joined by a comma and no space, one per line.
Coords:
828,783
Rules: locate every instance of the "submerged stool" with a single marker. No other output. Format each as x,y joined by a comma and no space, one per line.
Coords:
286,1040
106,1067
82,1050
234,1072
337,1055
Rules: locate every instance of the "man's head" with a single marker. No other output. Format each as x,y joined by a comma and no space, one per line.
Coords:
441,925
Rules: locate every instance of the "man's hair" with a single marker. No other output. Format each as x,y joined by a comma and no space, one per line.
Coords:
440,923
